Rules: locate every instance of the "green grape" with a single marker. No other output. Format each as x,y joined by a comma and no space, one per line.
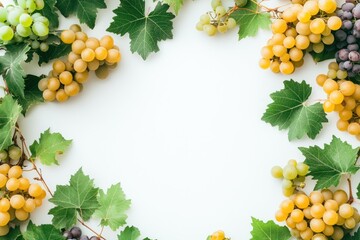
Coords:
290,172
231,23
277,172
241,3
3,14
3,155
18,38
216,3
288,191
15,153
23,31
25,20
33,36
42,19
302,169
222,28
205,19
35,16
21,3
287,184
13,16
200,26
35,44
6,33
220,11
210,29
39,4
40,29
44,47
30,5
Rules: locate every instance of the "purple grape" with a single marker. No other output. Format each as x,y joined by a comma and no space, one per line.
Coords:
356,11
339,13
84,237
340,35
354,56
351,74
348,65
347,25
341,45
347,16
356,33
341,66
343,54
353,47
357,25
67,234
76,232
94,238
351,39
347,6
356,68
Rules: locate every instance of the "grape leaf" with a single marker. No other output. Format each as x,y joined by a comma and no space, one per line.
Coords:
329,164
14,234
268,231
356,236
328,53
10,111
112,208
290,111
77,197
129,233
85,10
145,31
32,93
251,20
49,11
56,50
174,4
48,147
43,232
10,67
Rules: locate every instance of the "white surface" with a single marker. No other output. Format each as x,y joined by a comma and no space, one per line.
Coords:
180,131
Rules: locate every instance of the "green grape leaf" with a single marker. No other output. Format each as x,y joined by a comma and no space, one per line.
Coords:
129,233
355,236
43,232
48,147
251,20
268,231
175,4
32,93
79,197
145,31
49,11
56,50
289,110
328,53
10,111
113,206
358,195
11,69
14,234
327,165
85,10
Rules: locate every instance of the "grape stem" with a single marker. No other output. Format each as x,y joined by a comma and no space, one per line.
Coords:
351,196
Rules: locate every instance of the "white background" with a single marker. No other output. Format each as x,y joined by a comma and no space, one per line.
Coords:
181,131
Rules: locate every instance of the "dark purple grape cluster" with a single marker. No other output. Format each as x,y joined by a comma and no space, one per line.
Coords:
348,37
76,234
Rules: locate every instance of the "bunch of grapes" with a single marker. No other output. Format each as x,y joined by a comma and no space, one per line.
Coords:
348,37
301,28
343,97
75,234
218,235
323,215
19,197
217,20
292,175
88,54
20,22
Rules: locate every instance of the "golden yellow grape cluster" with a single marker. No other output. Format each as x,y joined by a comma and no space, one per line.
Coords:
19,197
88,54
323,215
218,235
302,27
343,96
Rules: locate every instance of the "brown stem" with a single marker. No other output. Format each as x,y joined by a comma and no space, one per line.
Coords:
41,178
89,228
351,196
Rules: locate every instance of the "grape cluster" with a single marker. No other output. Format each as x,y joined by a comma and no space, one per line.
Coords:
301,28
217,20
347,38
323,215
218,235
343,97
75,234
292,175
88,54
19,196
21,21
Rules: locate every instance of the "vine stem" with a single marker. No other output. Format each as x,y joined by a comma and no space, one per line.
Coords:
351,196
26,156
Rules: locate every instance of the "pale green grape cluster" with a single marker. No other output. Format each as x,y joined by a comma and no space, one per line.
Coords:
292,175
19,22
217,20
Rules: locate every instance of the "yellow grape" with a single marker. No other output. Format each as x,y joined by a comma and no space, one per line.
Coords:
278,39
17,201
66,77
345,114
264,63
304,16
302,201
342,125
317,26
291,32
67,36
280,216
4,218
289,15
29,205
72,57
21,214
88,55
81,36
307,234
92,43
346,210
93,65
3,180
347,88
302,226
218,235
82,77
297,215
53,84
78,46
334,23
4,168
303,28
328,40
42,84
24,184
290,223
107,42
58,66
315,38
61,95
75,28
285,57
350,223
317,210
15,172
312,7
340,196
302,42
329,230
4,205
354,128
80,65
320,79
12,184
317,225
49,95
330,85
266,52
275,66
336,97
328,6
287,67
72,89
35,190
287,206
38,202
328,106
279,50
113,56
318,47
289,42
4,230
296,54
101,53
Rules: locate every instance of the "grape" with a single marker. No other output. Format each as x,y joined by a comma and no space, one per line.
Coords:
210,29
75,232
241,3
348,65
102,72
40,29
340,35
39,4
277,172
215,3
23,31
357,25
347,15
3,14
35,44
13,16
44,47
30,5
25,20
347,25
6,33
354,56
347,6
356,11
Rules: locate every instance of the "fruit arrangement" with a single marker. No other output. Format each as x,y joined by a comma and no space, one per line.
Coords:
87,54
